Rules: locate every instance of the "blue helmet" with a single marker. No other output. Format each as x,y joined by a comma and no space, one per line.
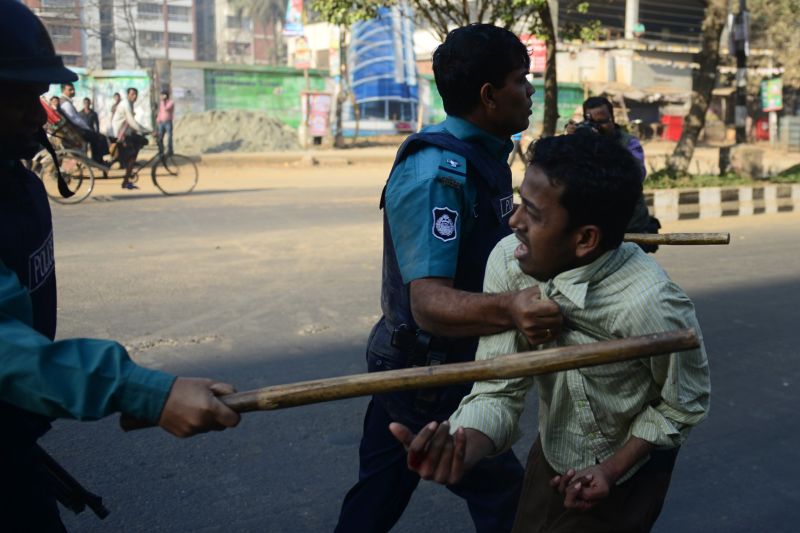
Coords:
27,54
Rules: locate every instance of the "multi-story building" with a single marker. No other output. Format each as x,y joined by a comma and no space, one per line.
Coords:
62,18
134,34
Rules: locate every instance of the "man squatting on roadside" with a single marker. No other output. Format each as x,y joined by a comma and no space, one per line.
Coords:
608,435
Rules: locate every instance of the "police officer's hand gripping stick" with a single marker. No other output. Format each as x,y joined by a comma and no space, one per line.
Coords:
517,365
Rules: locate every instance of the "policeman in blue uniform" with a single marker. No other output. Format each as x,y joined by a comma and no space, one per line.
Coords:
446,204
40,379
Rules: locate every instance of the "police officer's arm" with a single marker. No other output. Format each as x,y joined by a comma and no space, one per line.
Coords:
444,311
426,207
87,379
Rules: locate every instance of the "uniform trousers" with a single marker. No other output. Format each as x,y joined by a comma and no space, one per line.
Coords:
385,484
630,507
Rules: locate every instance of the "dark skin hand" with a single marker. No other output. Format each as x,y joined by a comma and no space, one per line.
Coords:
438,456
583,489
448,312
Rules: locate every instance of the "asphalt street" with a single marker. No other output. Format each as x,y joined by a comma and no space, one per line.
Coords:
272,278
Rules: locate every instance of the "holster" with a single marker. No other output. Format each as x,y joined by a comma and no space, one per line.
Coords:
423,349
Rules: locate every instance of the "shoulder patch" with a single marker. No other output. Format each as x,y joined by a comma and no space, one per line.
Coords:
444,223
449,182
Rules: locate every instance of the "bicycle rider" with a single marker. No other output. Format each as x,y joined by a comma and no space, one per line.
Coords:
130,135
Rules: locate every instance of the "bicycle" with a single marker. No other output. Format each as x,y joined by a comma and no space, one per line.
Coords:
172,174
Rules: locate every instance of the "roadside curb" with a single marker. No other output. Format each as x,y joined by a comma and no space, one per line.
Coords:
715,202
298,158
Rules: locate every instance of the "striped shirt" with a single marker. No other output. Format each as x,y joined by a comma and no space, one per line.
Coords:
587,414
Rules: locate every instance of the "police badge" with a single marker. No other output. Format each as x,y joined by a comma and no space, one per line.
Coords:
444,223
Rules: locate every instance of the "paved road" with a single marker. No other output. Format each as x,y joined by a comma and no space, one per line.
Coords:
262,280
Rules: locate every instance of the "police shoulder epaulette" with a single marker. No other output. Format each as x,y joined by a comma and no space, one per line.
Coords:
452,170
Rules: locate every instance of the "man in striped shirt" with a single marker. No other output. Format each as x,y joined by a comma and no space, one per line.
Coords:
608,435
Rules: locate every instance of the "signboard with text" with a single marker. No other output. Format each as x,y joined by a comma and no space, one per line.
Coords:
772,94
537,50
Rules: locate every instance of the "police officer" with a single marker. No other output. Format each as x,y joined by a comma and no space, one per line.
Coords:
446,204
40,379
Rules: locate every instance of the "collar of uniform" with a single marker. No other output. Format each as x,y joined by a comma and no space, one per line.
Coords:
573,284
467,131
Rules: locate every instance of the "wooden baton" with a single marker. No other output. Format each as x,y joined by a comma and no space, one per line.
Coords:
516,365
679,238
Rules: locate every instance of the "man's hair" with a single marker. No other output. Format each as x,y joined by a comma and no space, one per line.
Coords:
600,179
165,92
117,94
134,89
471,56
598,101
65,85
87,99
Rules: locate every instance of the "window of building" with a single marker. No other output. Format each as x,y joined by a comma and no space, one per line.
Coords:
58,4
179,13
152,39
60,33
239,23
180,40
149,11
238,49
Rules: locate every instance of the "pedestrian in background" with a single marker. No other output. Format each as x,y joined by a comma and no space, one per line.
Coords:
166,111
90,116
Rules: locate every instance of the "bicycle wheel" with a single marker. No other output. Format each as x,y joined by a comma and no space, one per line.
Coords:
174,174
76,171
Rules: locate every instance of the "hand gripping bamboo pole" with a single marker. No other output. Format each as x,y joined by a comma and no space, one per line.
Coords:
678,238
516,365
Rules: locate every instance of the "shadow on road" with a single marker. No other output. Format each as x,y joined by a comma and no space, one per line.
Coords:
288,470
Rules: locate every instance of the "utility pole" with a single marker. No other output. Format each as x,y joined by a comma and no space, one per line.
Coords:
165,16
741,39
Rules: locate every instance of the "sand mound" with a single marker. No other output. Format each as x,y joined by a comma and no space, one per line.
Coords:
217,131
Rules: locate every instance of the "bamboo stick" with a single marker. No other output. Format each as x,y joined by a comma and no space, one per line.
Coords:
517,365
678,238
509,366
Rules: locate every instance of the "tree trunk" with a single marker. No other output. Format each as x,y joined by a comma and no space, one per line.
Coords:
702,84
550,83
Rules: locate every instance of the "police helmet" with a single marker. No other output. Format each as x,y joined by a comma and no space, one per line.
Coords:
27,54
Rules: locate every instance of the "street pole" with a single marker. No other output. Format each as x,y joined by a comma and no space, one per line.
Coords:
742,40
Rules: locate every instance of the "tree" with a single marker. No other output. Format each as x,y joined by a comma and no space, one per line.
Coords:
703,81
270,13
774,26
442,15
115,21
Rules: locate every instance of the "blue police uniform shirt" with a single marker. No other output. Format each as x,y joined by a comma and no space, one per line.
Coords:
430,203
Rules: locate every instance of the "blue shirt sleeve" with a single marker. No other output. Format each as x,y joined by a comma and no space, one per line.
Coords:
84,379
426,206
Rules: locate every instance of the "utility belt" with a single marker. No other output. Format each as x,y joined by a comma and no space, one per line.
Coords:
422,349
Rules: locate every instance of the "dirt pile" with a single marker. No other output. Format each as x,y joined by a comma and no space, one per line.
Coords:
217,131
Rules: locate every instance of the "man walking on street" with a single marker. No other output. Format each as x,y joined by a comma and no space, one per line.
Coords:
446,205
166,112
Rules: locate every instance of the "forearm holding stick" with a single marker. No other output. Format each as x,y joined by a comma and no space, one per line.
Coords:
509,366
678,238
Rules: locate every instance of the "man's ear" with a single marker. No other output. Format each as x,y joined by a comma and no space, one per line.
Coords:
587,240
488,96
